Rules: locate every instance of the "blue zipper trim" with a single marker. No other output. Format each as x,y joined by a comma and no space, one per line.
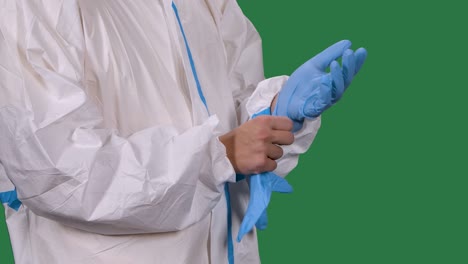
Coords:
202,97
10,198
229,222
192,64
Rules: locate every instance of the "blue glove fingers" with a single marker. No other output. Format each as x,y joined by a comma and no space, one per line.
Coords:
338,84
326,86
360,56
261,186
324,58
258,202
279,184
247,224
262,221
349,67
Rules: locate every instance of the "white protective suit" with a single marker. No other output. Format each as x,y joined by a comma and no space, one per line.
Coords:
105,137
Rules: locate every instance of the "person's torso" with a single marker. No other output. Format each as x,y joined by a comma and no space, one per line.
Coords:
138,71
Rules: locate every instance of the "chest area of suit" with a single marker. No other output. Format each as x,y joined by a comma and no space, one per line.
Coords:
138,55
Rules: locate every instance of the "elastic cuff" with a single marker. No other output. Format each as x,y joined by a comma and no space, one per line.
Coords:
262,97
223,170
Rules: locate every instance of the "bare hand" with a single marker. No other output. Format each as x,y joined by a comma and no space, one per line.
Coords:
253,147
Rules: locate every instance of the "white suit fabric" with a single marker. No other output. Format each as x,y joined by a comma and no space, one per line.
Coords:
106,139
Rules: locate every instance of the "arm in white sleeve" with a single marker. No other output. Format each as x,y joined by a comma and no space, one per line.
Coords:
252,92
68,169
260,100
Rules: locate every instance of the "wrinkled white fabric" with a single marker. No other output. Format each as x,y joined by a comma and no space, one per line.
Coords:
104,135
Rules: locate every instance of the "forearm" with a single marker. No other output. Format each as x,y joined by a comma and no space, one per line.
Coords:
95,180
265,97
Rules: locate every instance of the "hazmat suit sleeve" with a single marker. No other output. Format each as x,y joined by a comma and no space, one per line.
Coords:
252,92
65,166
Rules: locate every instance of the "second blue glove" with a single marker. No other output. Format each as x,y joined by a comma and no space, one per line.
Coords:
311,89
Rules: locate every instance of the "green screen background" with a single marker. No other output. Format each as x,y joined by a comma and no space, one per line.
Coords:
386,178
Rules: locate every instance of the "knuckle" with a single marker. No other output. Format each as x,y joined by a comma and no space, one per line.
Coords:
263,120
263,134
261,149
260,164
289,124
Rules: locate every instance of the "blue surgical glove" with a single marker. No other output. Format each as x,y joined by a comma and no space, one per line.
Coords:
261,187
310,90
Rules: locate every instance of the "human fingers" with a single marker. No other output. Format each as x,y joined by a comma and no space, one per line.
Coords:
349,67
282,137
281,123
268,165
274,152
324,58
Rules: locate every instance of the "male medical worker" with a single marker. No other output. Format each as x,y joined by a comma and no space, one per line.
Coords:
123,125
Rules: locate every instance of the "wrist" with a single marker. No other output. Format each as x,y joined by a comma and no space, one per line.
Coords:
228,142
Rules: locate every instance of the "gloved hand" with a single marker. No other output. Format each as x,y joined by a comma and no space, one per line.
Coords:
310,90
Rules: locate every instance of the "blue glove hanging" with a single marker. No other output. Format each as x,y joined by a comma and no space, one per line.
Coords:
261,187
